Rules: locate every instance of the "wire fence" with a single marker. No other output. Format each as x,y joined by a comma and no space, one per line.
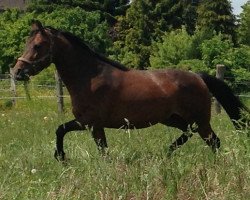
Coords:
54,89
11,90
6,90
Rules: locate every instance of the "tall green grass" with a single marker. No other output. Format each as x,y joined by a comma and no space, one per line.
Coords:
137,166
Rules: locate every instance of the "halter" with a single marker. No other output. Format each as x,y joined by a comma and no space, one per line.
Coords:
35,64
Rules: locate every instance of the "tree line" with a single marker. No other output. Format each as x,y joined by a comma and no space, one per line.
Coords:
143,34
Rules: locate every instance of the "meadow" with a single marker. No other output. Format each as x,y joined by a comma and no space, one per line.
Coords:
136,168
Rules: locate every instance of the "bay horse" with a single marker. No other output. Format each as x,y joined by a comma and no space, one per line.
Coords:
106,94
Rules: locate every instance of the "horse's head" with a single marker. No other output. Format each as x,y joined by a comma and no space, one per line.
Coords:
37,54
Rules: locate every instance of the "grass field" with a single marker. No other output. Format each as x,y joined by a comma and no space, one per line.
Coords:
137,166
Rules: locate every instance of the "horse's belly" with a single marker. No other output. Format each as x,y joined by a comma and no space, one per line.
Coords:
126,123
139,116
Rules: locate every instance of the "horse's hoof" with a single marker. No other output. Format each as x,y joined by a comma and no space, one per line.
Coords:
59,156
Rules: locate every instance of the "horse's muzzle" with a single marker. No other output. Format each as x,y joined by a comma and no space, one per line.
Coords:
22,75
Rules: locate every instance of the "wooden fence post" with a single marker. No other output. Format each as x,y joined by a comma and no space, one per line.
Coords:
220,70
59,92
13,86
26,90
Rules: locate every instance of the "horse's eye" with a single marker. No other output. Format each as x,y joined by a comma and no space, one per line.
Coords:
37,46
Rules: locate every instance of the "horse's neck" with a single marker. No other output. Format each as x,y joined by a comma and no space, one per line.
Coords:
77,71
77,66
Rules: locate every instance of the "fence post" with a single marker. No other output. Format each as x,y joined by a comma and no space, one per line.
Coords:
13,86
220,70
59,92
26,90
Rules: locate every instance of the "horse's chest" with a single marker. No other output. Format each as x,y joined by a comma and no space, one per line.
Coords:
87,110
84,113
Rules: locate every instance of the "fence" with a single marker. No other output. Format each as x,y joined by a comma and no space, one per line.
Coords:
8,89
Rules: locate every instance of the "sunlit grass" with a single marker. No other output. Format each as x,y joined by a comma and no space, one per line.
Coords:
137,166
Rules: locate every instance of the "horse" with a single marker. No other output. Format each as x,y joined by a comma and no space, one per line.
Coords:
106,94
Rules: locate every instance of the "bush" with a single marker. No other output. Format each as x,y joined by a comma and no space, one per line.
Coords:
237,61
194,65
197,39
174,47
238,58
213,50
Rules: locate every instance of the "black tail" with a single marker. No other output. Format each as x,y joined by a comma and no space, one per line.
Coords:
232,105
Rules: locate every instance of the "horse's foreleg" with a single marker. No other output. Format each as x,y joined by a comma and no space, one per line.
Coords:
60,133
100,139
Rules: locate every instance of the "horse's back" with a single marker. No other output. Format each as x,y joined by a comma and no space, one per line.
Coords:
164,82
148,97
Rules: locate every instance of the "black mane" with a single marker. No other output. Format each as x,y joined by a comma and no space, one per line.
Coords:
76,40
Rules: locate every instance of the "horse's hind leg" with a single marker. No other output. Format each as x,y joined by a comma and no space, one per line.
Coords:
60,133
178,122
100,139
208,135
179,142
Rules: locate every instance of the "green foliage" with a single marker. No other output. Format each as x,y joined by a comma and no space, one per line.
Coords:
193,65
15,27
244,28
173,47
218,16
197,39
213,50
219,51
86,25
146,21
108,9
237,60
46,78
175,14
132,45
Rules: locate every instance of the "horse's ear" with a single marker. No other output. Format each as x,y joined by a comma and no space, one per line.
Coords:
36,26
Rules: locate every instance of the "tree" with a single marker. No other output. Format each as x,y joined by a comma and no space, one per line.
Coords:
218,16
175,14
147,21
132,45
244,27
108,9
